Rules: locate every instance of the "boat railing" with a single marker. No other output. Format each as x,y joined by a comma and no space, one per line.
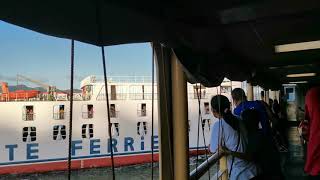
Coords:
125,79
118,96
202,95
203,168
59,115
28,116
87,115
141,96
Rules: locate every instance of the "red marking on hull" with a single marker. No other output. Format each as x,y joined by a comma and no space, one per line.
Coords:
82,163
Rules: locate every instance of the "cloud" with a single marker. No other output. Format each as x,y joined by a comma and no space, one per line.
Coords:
7,78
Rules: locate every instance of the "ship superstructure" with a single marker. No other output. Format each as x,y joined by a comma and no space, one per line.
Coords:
35,130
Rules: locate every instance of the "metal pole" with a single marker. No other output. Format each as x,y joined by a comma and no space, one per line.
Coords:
223,168
163,62
267,96
250,92
180,120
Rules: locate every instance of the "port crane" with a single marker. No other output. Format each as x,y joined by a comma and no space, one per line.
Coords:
50,89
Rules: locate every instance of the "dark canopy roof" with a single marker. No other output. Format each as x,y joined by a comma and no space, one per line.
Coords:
212,39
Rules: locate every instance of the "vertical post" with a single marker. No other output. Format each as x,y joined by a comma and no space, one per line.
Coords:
163,63
250,92
223,167
272,94
266,96
180,121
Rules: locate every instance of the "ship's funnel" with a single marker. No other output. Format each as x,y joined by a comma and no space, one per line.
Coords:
5,89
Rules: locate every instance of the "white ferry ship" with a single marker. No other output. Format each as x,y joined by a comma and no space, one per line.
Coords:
34,125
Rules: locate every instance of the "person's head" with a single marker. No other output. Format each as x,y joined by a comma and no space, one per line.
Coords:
238,96
250,118
219,105
270,102
275,102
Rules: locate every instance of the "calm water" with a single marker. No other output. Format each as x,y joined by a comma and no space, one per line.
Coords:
136,172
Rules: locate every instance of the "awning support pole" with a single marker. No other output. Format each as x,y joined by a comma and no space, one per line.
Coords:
163,66
250,92
180,121
267,96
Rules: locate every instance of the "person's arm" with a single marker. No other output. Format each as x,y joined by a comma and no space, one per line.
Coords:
244,156
215,139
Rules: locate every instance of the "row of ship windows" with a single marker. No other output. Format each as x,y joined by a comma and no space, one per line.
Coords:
87,111
59,112
29,134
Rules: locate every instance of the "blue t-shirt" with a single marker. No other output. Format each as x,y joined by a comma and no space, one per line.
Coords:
257,105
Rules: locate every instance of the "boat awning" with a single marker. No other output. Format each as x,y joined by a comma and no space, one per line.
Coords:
241,40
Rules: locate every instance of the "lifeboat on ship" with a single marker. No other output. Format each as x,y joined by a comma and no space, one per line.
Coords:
16,95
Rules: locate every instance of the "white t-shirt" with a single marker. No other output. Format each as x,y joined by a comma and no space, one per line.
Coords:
241,169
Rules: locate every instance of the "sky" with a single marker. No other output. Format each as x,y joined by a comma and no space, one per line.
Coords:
47,59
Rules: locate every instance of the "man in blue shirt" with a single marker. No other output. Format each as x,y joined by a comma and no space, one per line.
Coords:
241,103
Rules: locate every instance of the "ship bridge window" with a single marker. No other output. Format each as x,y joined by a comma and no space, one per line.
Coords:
206,108
87,111
59,112
199,91
115,92
29,134
114,113
142,128
142,110
115,129
59,132
225,89
87,131
28,113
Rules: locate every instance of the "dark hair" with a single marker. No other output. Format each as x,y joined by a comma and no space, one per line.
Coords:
238,94
219,103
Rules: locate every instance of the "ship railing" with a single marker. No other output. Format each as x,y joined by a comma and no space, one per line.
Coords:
202,169
148,96
87,115
28,116
59,115
125,79
118,96
202,95
142,113
141,96
114,114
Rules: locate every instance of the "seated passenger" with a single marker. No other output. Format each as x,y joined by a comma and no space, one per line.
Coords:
224,134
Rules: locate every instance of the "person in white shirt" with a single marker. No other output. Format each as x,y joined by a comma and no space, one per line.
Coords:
224,133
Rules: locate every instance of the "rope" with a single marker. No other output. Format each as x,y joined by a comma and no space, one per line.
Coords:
203,135
108,109
100,39
152,114
71,108
198,134
220,127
